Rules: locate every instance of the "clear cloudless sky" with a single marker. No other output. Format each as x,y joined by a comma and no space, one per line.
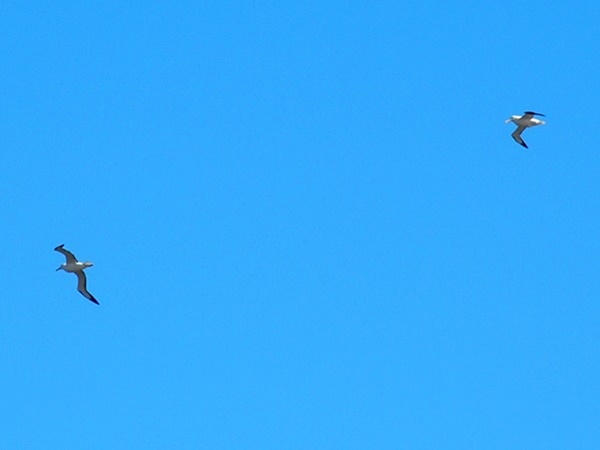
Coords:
309,224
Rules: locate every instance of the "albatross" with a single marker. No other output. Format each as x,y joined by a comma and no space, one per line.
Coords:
76,267
527,120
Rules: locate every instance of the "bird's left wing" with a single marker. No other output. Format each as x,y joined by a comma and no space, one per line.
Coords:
70,256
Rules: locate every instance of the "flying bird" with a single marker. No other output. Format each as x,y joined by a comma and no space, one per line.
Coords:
76,267
527,120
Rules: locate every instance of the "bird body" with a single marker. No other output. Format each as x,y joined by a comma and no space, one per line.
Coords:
527,120
76,267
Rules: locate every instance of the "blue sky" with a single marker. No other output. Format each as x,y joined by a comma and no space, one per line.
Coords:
309,224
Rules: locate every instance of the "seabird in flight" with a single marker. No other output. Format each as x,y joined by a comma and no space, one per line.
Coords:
525,121
76,267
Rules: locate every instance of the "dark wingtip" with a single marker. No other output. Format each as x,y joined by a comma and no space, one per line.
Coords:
59,246
94,300
522,142
535,114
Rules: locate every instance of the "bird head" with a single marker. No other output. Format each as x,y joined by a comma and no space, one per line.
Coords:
511,119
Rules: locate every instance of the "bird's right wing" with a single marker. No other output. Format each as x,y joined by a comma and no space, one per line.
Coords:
516,135
81,287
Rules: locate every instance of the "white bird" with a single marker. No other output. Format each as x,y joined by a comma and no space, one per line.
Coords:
76,267
525,121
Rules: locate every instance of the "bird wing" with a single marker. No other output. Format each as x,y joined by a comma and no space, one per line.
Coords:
516,135
81,287
70,256
527,115
530,114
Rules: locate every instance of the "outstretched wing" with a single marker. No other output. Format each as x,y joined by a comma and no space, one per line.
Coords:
530,114
527,115
70,256
517,136
81,287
